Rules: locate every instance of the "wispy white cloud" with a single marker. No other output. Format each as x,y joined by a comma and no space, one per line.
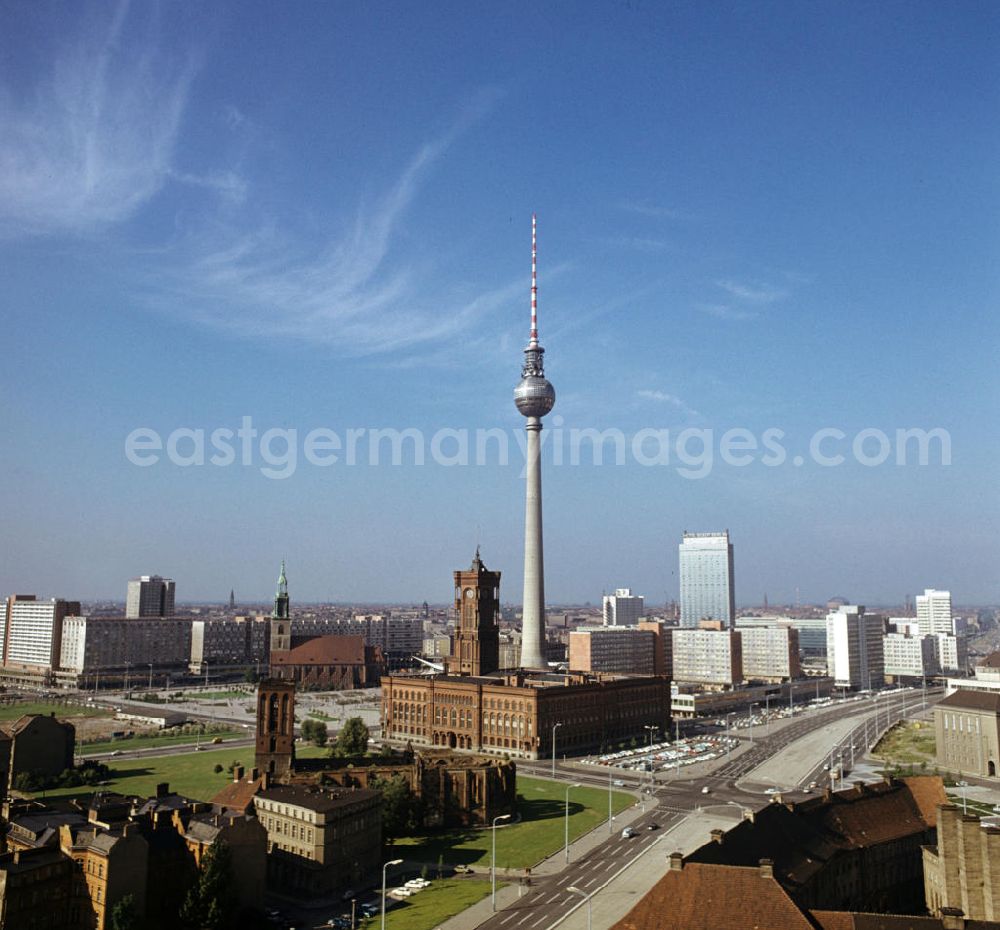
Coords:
726,312
94,139
353,292
671,400
756,293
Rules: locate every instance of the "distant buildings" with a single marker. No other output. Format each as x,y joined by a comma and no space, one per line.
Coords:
623,649
770,654
623,608
854,650
934,612
908,656
149,596
708,656
706,579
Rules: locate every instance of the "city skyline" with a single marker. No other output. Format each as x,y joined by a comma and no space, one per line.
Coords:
766,218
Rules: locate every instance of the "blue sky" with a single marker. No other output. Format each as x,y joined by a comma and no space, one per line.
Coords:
769,215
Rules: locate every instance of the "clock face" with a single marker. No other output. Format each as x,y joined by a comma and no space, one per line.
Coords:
468,593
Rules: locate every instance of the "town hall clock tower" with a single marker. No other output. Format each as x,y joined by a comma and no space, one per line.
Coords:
475,646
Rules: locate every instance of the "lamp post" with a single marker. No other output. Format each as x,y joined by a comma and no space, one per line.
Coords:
150,664
555,727
569,788
963,785
651,730
767,714
583,894
752,706
610,818
493,859
384,868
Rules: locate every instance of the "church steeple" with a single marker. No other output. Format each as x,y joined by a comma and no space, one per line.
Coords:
281,604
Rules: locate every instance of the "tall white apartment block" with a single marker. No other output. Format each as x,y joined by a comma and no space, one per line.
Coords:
934,612
707,656
623,608
149,596
32,630
854,648
707,586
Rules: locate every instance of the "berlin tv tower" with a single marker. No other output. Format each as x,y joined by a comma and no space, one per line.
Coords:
534,397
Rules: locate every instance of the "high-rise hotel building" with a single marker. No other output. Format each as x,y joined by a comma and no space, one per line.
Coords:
149,596
707,586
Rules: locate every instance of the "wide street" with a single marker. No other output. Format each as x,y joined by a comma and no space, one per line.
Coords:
734,785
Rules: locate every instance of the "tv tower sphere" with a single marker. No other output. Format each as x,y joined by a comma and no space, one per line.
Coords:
534,395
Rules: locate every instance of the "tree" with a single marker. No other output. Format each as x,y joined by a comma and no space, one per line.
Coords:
218,768
352,740
123,916
400,808
315,731
209,904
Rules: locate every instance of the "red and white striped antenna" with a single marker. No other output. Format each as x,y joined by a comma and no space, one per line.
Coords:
534,284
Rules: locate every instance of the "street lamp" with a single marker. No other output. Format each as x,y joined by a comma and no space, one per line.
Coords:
651,730
610,817
150,664
963,785
384,867
569,788
555,727
493,859
583,894
767,714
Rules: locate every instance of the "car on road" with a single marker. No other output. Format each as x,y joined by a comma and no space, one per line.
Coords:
773,791
618,783
706,790
628,833
653,826
463,870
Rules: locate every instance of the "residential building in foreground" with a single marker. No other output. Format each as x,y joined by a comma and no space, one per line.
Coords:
320,840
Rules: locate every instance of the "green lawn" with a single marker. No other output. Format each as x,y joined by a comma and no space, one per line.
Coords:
13,711
187,773
434,905
521,845
215,695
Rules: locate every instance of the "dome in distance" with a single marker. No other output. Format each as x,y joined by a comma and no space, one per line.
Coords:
534,396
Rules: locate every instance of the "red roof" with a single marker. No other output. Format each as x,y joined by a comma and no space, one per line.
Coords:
323,650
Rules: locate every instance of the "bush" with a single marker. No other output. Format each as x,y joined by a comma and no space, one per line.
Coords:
218,768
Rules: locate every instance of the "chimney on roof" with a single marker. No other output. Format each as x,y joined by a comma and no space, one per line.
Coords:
718,835
952,918
237,773
254,773
766,868
676,860
162,789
